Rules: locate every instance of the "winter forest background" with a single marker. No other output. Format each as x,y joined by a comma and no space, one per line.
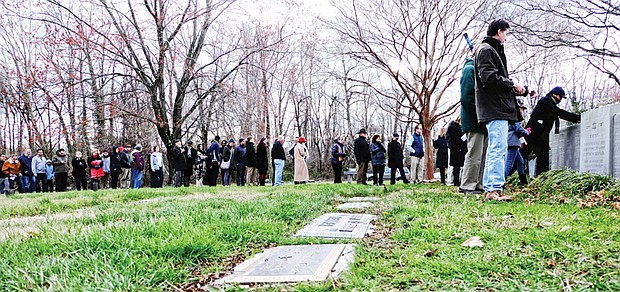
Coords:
90,74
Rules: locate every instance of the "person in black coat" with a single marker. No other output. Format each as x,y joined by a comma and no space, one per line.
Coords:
115,167
179,163
251,163
545,114
262,161
458,149
78,166
361,150
191,155
395,159
338,155
441,160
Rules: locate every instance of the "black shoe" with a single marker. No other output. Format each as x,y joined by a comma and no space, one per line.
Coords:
523,179
470,192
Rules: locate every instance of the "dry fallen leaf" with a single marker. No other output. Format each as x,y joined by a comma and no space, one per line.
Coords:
430,253
551,263
473,241
616,205
529,201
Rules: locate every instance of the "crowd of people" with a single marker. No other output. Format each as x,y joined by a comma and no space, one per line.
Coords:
488,140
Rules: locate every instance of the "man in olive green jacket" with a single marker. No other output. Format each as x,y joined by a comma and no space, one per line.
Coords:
475,132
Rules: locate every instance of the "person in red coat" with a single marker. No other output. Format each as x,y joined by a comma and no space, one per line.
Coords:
95,163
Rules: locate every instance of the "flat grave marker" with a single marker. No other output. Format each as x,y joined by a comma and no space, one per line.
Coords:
338,225
363,199
354,205
298,263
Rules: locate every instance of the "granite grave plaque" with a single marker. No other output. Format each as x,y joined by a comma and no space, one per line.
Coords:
338,225
285,264
354,205
565,147
596,139
616,146
363,199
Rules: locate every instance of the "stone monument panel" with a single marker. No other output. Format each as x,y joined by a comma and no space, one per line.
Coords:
338,225
286,264
565,147
596,139
616,146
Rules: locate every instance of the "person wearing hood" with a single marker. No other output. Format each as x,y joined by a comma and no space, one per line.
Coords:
115,166
338,155
78,166
395,159
545,114
278,155
95,163
301,168
60,162
137,169
262,161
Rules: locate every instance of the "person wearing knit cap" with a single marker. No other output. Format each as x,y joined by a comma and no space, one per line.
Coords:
545,114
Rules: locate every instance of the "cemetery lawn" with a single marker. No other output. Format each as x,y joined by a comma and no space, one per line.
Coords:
171,239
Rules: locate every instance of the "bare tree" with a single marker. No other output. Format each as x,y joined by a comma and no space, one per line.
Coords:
590,26
417,46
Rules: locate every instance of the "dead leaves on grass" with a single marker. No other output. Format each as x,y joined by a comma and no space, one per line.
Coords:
473,241
597,198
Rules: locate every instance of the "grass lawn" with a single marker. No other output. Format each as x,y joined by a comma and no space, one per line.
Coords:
181,238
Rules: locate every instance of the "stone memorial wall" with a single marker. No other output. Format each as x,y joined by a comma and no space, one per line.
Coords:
616,146
591,146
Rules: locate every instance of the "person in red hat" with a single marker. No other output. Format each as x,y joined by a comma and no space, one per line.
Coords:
301,169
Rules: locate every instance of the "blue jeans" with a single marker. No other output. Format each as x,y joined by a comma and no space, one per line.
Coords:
279,166
28,182
226,177
493,178
514,156
136,178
